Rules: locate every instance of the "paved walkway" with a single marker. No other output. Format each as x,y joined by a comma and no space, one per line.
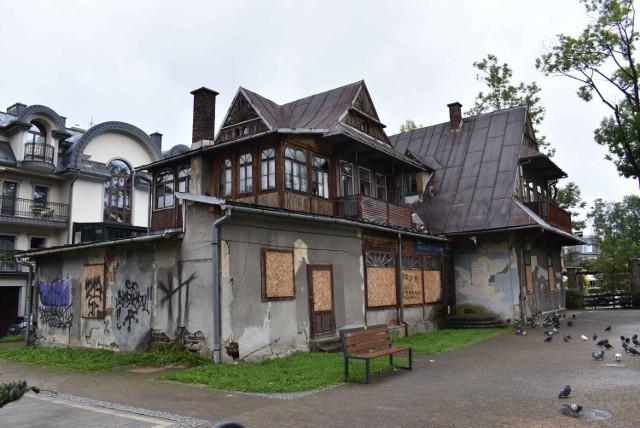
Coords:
506,381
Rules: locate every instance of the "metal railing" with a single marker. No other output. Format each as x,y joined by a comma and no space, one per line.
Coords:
38,152
29,208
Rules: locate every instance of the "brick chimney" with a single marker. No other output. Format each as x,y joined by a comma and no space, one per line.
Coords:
204,115
455,116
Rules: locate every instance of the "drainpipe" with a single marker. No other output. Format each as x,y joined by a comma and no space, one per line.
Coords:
29,294
70,220
401,296
215,242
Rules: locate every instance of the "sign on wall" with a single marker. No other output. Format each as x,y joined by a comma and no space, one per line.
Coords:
432,247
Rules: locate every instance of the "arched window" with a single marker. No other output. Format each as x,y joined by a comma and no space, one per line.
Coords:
245,173
224,177
184,176
164,189
295,169
117,193
36,144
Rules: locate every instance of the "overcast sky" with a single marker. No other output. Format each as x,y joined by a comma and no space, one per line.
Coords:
137,61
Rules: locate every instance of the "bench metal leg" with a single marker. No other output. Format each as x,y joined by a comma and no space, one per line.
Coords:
367,364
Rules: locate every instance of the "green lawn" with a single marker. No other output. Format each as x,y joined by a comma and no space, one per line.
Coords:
302,371
8,339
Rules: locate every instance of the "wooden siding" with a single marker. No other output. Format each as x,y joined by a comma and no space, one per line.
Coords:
366,208
169,218
552,214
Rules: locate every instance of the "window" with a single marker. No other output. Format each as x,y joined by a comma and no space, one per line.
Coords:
277,275
36,147
245,173
365,181
409,184
552,284
412,289
36,134
184,177
381,186
164,189
295,169
224,177
117,193
268,169
40,194
320,177
380,279
37,242
346,178
432,273
7,251
9,194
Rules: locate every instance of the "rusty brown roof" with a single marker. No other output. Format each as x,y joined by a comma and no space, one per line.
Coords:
475,172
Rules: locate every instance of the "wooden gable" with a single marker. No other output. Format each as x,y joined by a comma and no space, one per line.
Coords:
241,120
364,117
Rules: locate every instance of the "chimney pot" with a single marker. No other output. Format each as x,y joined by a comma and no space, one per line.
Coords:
204,114
156,137
455,116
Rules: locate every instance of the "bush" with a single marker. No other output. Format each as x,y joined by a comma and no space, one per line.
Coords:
574,298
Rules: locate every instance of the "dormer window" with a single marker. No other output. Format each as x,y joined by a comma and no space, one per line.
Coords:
36,134
36,148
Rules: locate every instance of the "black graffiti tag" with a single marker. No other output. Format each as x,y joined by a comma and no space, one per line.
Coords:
93,295
130,302
57,316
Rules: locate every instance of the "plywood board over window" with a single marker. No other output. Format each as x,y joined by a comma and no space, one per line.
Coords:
93,291
432,286
552,284
277,275
528,272
411,280
381,279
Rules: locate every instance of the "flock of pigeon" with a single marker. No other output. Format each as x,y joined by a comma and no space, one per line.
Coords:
554,324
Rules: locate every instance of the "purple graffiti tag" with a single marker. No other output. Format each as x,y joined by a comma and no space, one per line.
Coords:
130,302
55,293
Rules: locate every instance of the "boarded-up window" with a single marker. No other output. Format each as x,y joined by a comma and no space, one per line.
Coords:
528,272
411,280
552,284
381,279
277,275
93,291
432,274
322,290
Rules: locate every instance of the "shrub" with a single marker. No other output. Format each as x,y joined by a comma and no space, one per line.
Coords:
574,298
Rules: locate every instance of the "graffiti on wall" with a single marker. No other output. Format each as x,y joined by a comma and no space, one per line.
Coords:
93,291
176,287
55,310
130,304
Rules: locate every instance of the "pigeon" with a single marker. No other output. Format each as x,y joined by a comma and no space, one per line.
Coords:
602,342
566,338
633,351
570,324
622,338
634,337
595,336
574,408
521,332
548,339
598,355
627,340
608,328
583,337
549,332
608,345
564,393
573,316
635,342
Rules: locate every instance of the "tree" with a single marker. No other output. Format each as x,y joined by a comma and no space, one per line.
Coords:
616,229
602,61
409,125
503,94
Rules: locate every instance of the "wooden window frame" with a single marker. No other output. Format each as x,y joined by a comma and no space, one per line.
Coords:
225,177
268,169
160,191
343,189
364,183
183,182
393,259
265,286
110,192
298,169
381,190
318,171
245,173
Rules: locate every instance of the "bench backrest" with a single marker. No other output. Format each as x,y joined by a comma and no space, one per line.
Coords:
365,338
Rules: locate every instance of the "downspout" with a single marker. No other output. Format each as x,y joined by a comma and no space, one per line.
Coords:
69,222
28,299
401,294
215,242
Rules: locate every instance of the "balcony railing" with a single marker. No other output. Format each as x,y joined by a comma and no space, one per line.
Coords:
38,152
8,262
370,209
552,214
28,208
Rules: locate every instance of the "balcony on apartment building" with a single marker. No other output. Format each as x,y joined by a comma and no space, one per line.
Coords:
552,214
373,210
29,211
8,262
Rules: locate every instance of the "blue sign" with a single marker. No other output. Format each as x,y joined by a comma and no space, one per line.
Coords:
432,247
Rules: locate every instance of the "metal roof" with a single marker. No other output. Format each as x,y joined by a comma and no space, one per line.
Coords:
475,172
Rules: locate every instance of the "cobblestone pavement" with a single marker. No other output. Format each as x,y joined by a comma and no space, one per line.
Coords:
506,381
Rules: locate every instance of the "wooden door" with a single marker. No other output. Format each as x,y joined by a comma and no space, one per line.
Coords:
321,312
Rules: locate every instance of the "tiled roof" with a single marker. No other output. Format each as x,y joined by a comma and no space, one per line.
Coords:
6,154
475,171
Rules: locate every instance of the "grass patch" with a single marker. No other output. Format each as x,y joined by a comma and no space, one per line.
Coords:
8,339
89,360
437,342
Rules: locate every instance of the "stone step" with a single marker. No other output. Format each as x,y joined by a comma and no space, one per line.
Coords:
329,344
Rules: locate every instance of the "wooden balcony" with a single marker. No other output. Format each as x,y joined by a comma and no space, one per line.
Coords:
375,210
552,214
24,210
167,218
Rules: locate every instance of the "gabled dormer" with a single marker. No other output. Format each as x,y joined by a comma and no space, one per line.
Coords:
242,119
362,116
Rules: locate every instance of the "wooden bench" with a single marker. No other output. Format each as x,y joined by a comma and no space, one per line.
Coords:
367,343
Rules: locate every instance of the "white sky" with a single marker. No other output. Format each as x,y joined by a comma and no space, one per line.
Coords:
137,61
